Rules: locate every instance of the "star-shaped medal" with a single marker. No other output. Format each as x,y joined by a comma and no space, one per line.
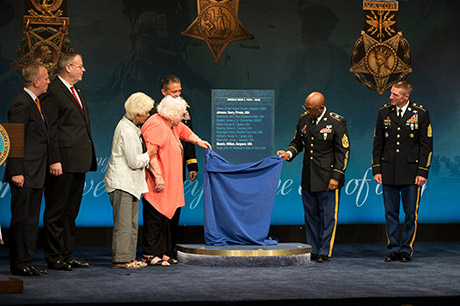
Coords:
218,25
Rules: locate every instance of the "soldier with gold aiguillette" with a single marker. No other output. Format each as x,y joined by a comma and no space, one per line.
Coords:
401,158
324,136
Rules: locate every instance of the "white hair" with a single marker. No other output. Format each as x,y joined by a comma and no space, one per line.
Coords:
172,108
138,104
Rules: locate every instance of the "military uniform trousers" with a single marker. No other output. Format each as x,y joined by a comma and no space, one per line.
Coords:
321,212
392,196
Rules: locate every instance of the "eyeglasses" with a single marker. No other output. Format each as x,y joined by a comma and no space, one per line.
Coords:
78,66
309,109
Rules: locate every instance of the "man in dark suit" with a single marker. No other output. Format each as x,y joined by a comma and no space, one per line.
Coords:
71,155
401,158
26,175
324,136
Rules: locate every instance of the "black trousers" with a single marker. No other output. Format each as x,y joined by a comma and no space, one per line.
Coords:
174,225
63,194
25,214
156,238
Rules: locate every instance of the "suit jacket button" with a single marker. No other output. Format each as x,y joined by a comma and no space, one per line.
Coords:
311,157
397,150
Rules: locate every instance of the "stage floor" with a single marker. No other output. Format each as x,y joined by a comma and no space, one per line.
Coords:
355,275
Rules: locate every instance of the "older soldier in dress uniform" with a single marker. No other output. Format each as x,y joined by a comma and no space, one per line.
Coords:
401,159
324,136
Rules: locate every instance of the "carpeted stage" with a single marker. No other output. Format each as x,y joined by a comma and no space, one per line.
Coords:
356,275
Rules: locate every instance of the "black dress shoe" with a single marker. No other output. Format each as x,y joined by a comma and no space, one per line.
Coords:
77,264
40,271
59,265
393,256
313,257
29,271
322,258
405,257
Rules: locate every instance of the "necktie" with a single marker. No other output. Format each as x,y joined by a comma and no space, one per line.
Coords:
400,113
75,96
144,147
38,105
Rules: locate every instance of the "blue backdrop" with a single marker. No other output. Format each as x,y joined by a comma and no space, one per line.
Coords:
128,47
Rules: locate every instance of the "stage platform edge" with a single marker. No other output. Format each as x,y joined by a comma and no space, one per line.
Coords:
282,254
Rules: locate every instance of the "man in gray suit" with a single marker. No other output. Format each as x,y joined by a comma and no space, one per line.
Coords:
71,155
26,175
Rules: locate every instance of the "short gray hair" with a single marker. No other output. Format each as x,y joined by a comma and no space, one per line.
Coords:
138,104
66,59
172,108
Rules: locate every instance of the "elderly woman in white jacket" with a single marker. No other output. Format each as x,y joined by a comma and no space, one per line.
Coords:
125,180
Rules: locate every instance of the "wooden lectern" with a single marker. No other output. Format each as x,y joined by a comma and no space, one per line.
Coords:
16,135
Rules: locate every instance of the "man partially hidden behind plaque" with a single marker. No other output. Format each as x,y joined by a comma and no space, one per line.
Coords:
26,175
324,136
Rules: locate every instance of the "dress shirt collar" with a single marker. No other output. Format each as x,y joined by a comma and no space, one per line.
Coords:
31,94
65,83
404,108
318,120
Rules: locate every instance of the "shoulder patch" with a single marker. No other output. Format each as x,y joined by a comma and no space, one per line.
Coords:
336,116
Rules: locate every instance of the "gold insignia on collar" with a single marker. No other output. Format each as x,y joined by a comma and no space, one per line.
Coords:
218,25
345,142
429,131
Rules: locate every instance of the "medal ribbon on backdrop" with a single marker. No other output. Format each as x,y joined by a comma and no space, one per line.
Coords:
45,34
381,56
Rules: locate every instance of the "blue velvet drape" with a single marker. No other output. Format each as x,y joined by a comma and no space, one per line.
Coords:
238,200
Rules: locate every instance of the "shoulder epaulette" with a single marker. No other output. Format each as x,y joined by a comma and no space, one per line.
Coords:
386,106
336,116
188,106
304,114
419,106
